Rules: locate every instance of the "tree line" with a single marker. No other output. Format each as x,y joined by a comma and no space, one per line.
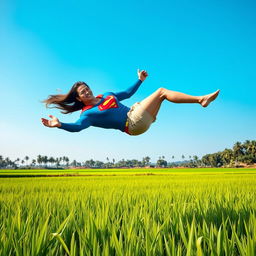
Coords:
241,154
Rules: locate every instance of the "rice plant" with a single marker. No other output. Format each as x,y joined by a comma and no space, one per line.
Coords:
187,213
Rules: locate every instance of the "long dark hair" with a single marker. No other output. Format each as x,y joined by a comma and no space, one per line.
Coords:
67,102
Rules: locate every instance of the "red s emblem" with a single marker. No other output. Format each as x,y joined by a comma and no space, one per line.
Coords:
109,102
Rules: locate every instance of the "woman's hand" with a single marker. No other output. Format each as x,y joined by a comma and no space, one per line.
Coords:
142,74
51,123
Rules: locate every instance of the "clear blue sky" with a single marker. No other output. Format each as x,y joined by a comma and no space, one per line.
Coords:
191,46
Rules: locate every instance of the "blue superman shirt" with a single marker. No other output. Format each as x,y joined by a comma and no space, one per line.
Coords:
109,113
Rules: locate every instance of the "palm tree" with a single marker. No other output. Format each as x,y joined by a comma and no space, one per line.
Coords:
161,162
227,156
147,158
67,161
107,165
74,163
39,159
250,147
60,160
195,158
145,161
51,160
33,163
17,161
238,151
63,160
253,150
91,163
57,162
45,160
26,159
206,160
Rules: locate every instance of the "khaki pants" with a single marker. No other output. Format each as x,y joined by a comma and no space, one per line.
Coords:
139,120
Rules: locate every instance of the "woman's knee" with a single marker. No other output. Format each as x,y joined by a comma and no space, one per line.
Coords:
161,93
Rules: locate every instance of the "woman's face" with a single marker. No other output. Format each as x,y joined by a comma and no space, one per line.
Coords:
85,94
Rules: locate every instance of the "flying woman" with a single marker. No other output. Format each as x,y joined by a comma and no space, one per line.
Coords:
107,111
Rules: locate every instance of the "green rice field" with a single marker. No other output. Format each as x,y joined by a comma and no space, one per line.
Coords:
128,212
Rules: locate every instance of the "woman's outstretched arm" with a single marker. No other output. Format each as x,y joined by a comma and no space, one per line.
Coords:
142,75
79,125
51,123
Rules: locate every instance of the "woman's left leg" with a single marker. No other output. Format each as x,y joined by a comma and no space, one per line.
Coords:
153,103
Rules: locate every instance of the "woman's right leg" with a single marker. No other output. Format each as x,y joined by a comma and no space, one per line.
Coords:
153,103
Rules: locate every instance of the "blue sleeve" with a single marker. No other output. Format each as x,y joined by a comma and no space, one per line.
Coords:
80,124
129,92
